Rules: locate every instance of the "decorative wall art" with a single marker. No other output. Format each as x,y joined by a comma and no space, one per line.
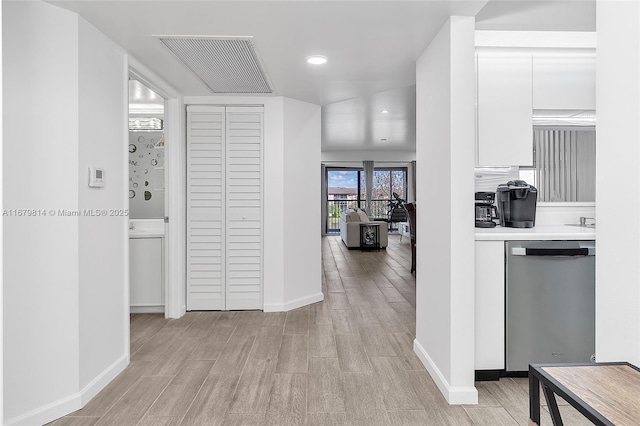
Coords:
146,174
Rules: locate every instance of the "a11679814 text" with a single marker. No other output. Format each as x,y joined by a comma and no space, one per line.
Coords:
65,212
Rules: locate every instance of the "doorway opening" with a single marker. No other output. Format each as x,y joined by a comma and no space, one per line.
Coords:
147,187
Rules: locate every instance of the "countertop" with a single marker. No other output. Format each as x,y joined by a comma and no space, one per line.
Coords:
146,233
146,228
540,232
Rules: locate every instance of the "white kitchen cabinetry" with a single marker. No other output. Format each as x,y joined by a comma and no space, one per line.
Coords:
505,109
490,308
146,282
564,82
224,207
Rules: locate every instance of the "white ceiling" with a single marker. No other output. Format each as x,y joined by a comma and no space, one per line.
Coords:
143,101
371,47
357,124
527,15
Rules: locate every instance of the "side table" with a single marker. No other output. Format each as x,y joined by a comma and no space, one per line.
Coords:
370,235
605,393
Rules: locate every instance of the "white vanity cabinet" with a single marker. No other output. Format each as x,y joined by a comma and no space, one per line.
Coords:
489,313
146,274
505,120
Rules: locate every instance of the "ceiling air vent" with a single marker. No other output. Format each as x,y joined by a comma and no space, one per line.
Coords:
224,64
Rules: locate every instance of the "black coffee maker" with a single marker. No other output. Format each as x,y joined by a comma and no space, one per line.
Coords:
516,202
485,210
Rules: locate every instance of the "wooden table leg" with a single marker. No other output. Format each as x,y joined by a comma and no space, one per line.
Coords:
553,406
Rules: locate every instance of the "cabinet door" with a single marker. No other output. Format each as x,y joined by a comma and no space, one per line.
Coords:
205,208
505,126
564,82
145,271
244,207
490,294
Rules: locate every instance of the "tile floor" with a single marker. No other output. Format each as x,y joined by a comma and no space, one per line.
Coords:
345,361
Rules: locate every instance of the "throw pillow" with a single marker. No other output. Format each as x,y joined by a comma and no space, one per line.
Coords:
352,217
363,216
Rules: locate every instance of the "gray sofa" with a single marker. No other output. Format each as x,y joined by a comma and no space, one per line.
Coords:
350,221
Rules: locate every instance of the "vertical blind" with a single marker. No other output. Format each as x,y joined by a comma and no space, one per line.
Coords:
565,164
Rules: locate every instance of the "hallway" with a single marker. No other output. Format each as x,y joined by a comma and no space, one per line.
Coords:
345,361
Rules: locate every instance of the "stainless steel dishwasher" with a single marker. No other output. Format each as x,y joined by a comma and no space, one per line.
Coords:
550,306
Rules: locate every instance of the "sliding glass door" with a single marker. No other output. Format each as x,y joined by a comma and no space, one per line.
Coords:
346,190
386,181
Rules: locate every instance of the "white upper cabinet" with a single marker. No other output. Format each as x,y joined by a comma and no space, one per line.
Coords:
505,109
564,82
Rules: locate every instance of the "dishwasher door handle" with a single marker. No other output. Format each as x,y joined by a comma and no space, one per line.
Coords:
564,252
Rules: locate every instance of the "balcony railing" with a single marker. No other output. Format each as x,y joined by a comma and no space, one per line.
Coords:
335,208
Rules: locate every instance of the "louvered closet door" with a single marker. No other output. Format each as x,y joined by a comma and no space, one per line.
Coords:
205,208
244,207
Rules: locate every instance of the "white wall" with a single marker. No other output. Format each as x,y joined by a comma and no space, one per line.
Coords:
617,182
40,148
301,208
103,241
273,191
175,239
563,213
1,248
276,289
445,86
359,156
52,336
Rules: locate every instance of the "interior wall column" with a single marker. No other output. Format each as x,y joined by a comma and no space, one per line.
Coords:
445,284
323,199
368,182
617,161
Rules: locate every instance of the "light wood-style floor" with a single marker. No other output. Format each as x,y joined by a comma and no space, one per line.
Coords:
345,361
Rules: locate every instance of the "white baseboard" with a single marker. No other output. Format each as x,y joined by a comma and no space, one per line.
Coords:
49,412
293,304
453,395
177,313
103,379
146,309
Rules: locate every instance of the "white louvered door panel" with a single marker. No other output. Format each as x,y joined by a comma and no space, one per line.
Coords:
205,208
244,207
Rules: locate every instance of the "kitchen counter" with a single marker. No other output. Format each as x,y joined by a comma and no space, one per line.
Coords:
490,286
540,232
146,228
146,234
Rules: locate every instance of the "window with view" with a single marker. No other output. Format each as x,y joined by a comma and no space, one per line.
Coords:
346,189
564,167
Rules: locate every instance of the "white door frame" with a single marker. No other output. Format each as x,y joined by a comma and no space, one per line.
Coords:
175,182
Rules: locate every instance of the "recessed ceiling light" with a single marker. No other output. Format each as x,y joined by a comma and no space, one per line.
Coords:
384,111
317,59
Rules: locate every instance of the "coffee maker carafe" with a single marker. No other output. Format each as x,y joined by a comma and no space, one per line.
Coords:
486,212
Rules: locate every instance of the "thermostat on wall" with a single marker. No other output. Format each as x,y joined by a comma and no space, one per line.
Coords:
96,177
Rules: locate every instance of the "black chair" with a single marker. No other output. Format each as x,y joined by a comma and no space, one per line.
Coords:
396,215
411,209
